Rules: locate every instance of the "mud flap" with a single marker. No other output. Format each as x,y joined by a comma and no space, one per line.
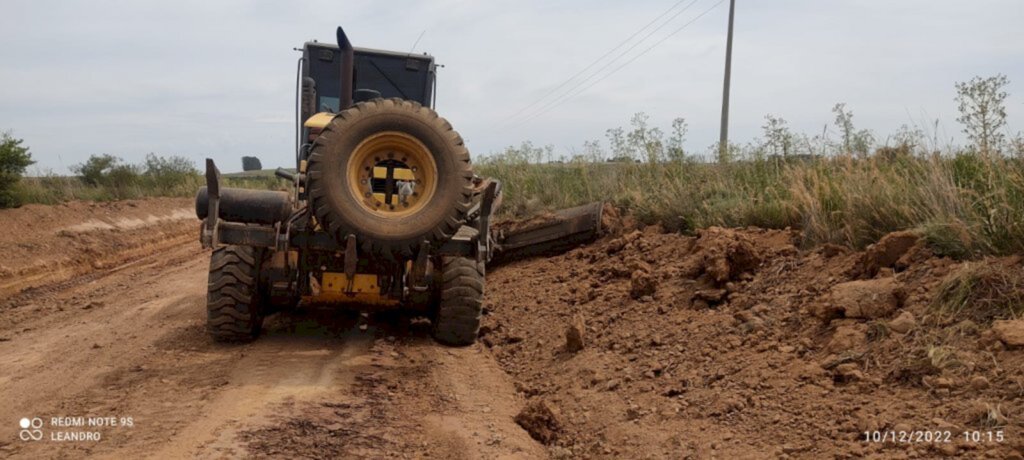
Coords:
208,233
559,232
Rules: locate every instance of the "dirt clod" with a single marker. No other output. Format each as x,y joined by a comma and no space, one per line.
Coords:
541,421
711,296
866,299
726,253
944,383
846,338
979,383
887,251
611,222
1010,332
848,372
830,250
903,323
641,283
574,335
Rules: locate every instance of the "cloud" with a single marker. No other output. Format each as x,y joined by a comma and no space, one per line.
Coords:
216,79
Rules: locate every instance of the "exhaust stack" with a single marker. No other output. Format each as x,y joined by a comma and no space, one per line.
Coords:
348,59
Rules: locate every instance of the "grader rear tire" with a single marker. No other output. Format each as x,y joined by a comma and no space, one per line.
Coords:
233,310
357,160
457,318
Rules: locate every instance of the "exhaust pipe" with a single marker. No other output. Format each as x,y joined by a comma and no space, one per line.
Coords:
348,60
237,204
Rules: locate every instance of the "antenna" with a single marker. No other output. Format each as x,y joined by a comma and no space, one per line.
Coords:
417,42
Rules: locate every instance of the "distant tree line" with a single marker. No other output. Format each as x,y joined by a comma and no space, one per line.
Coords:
980,101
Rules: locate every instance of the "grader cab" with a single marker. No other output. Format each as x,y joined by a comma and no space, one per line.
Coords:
384,209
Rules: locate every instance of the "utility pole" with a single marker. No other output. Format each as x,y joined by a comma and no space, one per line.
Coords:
723,141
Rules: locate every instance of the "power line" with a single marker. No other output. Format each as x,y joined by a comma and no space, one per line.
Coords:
571,95
592,64
565,95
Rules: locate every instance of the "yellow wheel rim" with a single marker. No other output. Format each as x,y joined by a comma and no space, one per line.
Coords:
381,163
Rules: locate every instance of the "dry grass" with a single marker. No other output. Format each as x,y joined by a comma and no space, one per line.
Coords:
983,291
965,205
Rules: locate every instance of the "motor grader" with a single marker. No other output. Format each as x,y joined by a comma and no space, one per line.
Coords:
383,209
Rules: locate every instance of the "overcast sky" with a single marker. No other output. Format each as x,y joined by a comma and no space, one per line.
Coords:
216,78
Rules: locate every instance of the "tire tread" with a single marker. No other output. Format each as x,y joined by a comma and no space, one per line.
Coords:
460,307
232,302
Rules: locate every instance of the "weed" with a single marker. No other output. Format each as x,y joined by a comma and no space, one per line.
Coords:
982,292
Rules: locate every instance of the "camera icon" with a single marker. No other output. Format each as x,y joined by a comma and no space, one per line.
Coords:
31,429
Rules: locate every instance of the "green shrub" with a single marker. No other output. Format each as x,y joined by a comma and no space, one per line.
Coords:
14,159
96,170
117,179
172,175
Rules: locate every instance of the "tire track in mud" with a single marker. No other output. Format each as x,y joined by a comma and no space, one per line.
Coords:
130,342
276,370
407,398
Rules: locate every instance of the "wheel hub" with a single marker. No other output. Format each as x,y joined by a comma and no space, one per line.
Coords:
392,173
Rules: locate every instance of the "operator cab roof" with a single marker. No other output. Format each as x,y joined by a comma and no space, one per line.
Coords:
391,73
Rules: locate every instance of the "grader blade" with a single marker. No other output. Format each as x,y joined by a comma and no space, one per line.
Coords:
556,232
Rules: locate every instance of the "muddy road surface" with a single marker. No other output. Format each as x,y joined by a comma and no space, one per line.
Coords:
114,362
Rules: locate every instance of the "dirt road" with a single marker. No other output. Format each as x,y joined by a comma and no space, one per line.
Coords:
127,342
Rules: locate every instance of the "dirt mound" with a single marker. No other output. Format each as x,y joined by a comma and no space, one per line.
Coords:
716,345
723,255
55,243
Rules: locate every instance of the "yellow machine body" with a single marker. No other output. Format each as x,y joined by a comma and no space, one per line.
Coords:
319,121
361,289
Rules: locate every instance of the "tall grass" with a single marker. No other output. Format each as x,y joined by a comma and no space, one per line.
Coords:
964,204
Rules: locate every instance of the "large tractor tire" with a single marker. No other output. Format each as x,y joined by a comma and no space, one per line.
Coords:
357,161
457,318
233,302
